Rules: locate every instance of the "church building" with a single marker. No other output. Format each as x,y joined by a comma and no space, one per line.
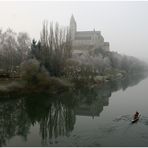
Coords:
86,40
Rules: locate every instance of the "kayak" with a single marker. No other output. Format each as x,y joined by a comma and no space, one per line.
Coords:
135,120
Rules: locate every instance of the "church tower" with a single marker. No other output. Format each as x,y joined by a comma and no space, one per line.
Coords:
73,27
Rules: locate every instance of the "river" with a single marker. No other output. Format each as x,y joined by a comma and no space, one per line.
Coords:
98,116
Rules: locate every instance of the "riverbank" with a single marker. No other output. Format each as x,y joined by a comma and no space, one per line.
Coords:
20,87
56,85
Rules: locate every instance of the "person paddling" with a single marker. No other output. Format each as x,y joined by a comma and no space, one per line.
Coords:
136,115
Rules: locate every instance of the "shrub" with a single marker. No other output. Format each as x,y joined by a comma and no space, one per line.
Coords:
33,72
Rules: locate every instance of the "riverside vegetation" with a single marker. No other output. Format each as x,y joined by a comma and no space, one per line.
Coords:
50,66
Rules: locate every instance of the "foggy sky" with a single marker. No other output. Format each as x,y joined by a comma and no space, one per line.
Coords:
123,24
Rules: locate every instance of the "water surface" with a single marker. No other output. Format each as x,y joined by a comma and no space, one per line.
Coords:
98,116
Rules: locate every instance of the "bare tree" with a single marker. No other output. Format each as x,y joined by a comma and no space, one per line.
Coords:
23,46
55,47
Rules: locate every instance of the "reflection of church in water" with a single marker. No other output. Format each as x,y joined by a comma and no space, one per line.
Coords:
91,110
100,98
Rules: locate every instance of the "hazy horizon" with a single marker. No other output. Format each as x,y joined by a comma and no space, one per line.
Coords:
122,24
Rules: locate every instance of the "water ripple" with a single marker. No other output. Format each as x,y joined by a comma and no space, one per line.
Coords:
123,118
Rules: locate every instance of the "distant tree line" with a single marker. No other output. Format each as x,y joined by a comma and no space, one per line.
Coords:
100,62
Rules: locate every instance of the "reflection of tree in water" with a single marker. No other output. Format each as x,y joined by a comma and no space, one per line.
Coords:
59,122
130,80
55,114
13,120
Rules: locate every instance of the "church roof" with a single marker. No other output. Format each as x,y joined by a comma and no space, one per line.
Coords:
87,32
86,35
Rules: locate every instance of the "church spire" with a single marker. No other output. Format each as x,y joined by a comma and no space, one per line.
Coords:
73,27
72,19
